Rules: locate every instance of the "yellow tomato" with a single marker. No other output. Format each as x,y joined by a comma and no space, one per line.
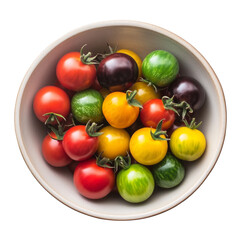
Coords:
145,149
187,144
144,92
135,57
118,111
113,142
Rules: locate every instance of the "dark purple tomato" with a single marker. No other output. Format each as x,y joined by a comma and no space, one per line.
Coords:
117,69
188,89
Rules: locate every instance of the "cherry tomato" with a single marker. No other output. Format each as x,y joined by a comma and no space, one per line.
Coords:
78,144
146,148
117,69
113,142
92,181
135,56
54,153
144,92
73,74
153,111
188,143
51,99
118,110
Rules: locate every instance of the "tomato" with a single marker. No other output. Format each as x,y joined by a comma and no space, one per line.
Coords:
117,69
54,153
136,58
92,181
135,184
154,111
118,109
148,148
73,73
188,143
51,99
144,92
169,172
80,143
113,142
96,85
188,89
160,67
87,105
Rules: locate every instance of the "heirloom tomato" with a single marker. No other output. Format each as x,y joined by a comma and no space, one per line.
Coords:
92,181
136,58
113,142
51,99
53,152
135,184
74,71
144,92
148,147
160,68
81,142
188,143
117,70
121,109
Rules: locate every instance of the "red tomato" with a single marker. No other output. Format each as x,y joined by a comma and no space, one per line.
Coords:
54,153
96,85
153,112
92,181
73,74
51,99
78,144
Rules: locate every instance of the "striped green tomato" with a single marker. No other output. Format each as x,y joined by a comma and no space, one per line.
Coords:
87,105
160,67
169,172
135,184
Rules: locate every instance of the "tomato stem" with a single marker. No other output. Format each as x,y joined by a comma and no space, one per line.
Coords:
192,124
86,58
92,129
158,132
149,84
131,100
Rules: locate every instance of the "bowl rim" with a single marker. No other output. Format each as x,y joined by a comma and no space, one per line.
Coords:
116,23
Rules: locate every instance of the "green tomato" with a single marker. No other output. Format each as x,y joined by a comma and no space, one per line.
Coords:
87,105
135,184
169,172
160,67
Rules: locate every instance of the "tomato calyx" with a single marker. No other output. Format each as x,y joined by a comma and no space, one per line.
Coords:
92,129
159,132
193,124
101,56
149,83
123,162
131,100
87,58
169,104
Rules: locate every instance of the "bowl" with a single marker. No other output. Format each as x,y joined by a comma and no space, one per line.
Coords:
141,38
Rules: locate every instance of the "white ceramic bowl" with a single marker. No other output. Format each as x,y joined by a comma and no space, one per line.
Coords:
141,38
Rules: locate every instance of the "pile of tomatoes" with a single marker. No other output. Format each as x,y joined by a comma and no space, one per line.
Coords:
120,123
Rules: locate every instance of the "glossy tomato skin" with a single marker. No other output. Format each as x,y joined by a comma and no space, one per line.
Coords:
187,144
117,69
78,144
54,153
113,142
118,112
136,58
87,105
92,181
145,149
153,112
73,74
51,99
135,184
144,92
188,89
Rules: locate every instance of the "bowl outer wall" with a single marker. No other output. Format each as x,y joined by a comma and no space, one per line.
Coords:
160,202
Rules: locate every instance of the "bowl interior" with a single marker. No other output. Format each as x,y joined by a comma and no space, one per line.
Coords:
141,39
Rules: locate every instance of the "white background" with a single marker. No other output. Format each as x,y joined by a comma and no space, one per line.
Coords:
27,211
